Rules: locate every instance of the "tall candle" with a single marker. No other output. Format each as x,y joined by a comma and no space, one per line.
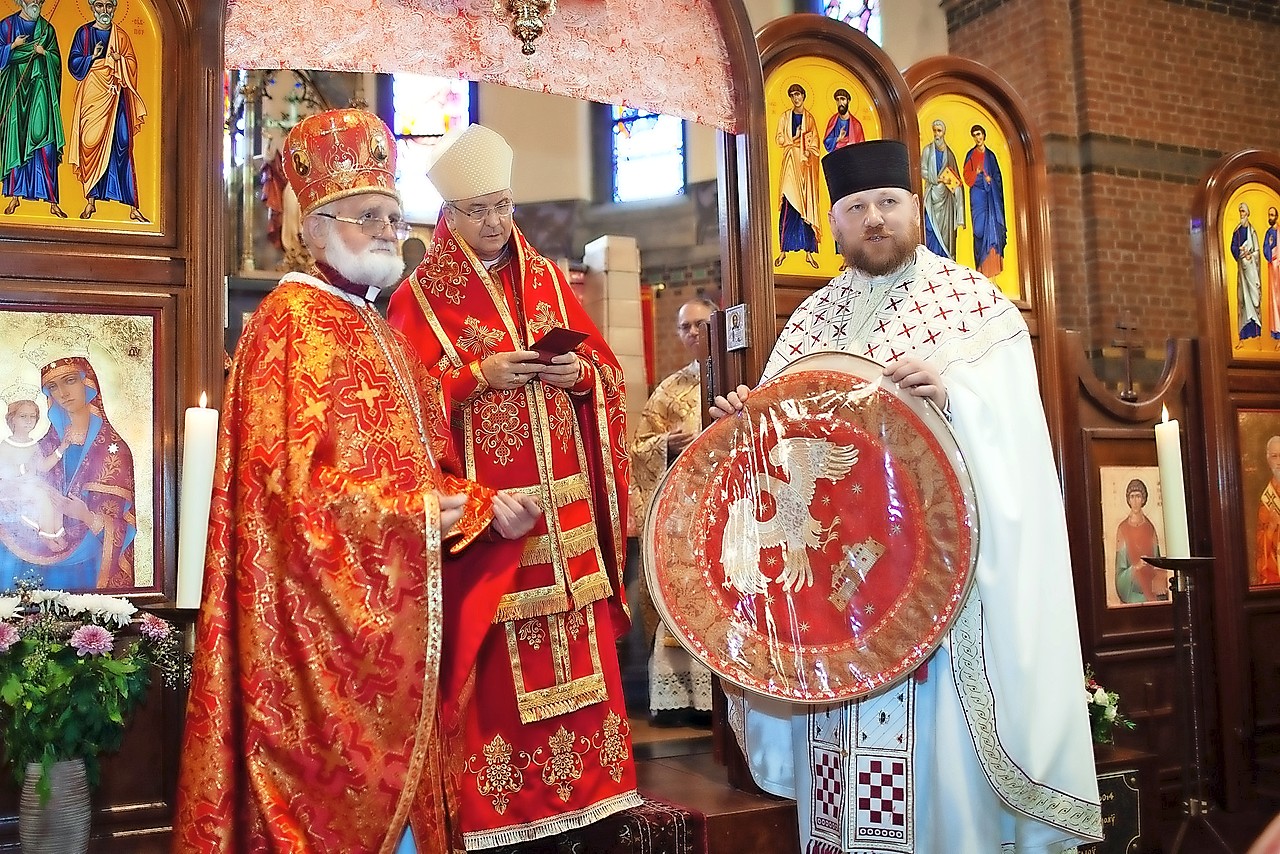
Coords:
199,449
1177,541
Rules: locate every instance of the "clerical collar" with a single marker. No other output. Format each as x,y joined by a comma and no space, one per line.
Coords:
890,280
499,261
332,277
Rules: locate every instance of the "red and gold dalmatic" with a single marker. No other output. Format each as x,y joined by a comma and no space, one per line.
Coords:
548,745
313,721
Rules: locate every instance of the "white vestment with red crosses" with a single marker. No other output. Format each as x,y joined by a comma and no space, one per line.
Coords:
991,751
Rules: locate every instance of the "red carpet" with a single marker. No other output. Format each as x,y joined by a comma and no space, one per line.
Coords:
654,827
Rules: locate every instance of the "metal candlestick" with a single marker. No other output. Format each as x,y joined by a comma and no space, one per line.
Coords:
1195,805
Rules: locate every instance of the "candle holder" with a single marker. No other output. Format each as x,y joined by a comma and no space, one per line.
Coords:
1195,805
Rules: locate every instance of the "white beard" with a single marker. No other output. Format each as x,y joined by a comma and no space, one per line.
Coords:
371,268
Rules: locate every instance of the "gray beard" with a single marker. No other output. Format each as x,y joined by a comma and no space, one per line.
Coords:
370,269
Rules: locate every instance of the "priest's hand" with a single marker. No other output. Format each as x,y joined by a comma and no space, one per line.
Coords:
564,371
677,441
736,399
919,379
451,507
511,369
514,514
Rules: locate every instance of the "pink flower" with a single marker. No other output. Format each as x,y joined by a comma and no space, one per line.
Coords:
92,640
153,627
8,636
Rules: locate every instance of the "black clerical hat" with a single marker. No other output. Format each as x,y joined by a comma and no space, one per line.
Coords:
867,166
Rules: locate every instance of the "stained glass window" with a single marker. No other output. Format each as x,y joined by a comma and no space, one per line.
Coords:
648,155
860,14
424,109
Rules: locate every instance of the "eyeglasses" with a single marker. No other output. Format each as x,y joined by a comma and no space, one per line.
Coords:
373,226
504,210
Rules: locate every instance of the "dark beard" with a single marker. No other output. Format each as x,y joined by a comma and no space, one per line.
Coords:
881,259
842,109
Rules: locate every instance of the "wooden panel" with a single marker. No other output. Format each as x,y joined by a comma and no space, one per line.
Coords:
1233,378
179,271
1264,677
1147,684
134,801
1130,647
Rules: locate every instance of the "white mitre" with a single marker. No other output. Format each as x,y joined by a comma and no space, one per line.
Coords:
476,163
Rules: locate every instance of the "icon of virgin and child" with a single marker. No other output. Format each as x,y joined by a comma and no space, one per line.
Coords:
67,514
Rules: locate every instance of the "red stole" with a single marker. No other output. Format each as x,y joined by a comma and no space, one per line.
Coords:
536,438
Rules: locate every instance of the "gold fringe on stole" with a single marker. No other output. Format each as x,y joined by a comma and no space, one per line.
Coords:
564,696
554,598
574,542
555,824
590,588
541,602
562,699
565,490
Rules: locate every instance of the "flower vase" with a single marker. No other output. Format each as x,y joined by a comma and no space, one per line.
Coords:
61,824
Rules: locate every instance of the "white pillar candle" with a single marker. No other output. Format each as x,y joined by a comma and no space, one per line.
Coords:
1177,541
199,450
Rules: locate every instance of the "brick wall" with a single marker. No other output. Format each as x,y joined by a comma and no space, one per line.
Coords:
680,284
1135,100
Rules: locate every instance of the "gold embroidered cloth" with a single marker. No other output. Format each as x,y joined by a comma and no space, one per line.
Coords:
311,724
547,743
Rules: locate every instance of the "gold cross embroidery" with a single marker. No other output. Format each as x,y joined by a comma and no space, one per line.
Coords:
368,394
275,349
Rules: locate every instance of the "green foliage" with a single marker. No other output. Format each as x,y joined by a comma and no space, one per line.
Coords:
58,702
1104,710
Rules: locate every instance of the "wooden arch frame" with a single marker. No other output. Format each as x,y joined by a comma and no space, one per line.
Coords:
810,35
173,23
1229,383
952,75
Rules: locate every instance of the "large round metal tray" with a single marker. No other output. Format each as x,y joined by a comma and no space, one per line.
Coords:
816,546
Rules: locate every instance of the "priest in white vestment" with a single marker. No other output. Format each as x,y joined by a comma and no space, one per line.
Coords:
986,749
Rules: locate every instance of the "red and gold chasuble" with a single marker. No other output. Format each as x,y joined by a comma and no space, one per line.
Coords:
313,720
547,742
1268,557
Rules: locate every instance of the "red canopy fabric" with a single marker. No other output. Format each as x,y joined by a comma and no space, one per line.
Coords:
663,55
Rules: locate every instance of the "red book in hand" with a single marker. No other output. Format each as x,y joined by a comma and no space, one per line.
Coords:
557,340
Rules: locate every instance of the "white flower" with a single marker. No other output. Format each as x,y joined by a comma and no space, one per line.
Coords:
1109,714
47,598
9,607
111,610
1100,697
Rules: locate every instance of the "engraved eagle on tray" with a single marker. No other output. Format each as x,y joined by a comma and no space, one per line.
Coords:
804,461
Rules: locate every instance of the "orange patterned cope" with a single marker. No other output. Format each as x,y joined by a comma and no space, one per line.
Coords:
548,746
313,720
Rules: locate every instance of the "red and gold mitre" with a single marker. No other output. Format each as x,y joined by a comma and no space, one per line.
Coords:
339,153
